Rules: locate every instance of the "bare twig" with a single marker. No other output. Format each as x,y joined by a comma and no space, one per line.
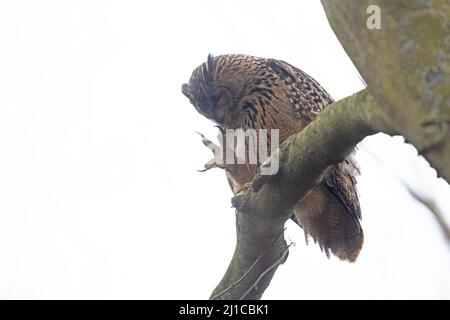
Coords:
427,202
431,205
278,262
249,269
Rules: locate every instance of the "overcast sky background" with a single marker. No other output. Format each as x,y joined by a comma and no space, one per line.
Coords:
99,193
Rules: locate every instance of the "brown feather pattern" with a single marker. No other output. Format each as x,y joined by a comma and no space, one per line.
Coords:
241,91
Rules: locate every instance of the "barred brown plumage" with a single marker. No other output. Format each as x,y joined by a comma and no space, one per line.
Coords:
241,91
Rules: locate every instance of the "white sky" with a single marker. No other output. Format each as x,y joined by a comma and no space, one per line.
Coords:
99,193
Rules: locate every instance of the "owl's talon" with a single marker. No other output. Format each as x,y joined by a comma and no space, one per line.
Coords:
213,147
206,142
222,130
211,164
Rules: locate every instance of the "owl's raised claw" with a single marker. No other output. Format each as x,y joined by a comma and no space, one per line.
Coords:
222,130
213,147
208,143
212,164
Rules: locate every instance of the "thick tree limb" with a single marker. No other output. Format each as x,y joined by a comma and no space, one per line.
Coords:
304,159
406,65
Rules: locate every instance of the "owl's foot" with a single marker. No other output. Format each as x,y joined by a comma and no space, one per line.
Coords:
237,174
213,163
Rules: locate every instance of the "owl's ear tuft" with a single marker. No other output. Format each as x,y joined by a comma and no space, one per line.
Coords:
207,70
210,62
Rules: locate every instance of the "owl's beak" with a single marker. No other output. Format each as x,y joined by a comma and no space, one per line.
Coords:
185,89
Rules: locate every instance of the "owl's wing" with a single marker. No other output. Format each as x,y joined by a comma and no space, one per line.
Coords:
308,98
341,181
331,213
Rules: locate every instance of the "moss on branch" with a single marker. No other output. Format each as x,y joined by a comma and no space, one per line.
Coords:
406,65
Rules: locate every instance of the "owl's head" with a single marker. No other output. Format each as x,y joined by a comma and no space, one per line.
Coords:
219,90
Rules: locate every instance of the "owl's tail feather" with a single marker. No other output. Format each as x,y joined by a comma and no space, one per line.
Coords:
327,221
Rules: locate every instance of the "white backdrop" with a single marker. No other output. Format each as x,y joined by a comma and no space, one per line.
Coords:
99,193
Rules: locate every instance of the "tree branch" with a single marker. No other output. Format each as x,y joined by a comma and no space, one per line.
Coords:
304,159
406,66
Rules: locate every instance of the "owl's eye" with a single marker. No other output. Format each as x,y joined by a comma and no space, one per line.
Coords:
218,98
203,104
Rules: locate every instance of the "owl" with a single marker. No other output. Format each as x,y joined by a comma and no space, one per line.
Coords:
245,92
